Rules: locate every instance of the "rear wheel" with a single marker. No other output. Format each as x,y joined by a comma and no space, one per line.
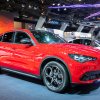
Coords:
0,71
55,76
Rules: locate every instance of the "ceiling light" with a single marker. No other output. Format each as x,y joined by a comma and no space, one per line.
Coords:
23,5
35,8
65,9
76,6
30,6
25,16
58,9
53,4
58,4
63,5
93,15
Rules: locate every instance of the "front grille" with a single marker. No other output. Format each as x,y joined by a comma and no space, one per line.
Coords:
90,76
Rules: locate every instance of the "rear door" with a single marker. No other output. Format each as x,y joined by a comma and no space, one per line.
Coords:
6,50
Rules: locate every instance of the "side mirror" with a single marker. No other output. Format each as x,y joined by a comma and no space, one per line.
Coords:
26,41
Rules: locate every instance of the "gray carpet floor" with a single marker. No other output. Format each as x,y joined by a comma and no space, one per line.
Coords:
17,87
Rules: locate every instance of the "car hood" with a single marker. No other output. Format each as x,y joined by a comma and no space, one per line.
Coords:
73,48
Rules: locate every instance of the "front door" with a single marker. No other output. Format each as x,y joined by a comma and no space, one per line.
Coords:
23,54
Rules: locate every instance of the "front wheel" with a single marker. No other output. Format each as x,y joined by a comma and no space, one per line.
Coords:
55,76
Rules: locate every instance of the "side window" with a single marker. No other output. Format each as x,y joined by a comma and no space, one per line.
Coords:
78,41
70,42
86,29
8,37
20,36
87,42
0,37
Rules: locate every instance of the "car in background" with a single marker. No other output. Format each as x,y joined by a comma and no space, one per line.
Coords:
96,42
46,56
82,31
83,41
88,42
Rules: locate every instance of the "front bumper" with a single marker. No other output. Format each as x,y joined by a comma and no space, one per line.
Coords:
83,73
92,75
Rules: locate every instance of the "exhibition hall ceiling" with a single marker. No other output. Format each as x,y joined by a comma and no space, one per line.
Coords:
65,9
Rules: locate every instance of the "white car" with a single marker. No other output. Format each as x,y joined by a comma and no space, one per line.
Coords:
88,42
83,41
98,48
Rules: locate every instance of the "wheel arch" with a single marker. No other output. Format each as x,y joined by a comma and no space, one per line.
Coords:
53,58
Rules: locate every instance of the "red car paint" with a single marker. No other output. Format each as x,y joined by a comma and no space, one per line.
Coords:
28,59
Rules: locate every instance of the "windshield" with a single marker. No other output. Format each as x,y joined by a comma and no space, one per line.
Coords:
98,37
47,37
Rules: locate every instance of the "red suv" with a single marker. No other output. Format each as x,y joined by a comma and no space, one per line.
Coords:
46,56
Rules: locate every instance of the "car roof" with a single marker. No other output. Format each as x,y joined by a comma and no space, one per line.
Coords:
24,30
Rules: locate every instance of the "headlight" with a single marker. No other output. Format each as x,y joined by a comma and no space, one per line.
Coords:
82,58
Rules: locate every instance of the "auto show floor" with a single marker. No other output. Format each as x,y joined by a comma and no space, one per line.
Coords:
17,87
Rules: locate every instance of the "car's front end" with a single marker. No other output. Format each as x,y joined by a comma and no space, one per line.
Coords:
85,72
66,63
84,64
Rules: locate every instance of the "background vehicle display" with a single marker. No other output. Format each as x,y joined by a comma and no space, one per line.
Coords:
94,41
81,41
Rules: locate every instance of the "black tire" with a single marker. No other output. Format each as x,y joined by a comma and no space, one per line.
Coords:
0,71
55,76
